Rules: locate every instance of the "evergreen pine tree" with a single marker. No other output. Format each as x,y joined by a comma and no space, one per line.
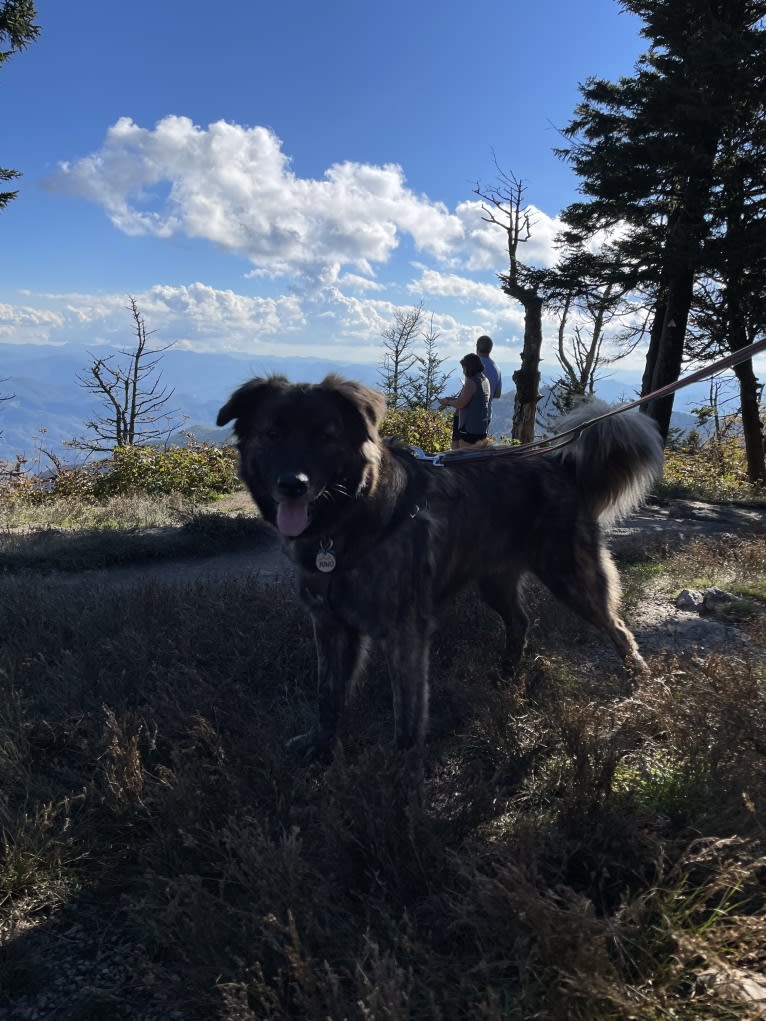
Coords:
646,149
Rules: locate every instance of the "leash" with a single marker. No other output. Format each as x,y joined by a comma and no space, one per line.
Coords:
570,435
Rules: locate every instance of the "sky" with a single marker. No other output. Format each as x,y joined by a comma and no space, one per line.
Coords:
278,178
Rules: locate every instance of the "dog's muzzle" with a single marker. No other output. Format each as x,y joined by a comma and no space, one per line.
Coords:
292,485
293,503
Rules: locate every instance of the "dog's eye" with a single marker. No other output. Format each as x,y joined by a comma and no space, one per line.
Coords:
271,433
330,432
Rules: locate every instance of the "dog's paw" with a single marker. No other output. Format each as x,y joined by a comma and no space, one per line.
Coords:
636,667
314,744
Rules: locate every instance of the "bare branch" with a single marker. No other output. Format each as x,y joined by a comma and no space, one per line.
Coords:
131,390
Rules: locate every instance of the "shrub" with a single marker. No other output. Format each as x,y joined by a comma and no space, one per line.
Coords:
714,471
80,483
431,430
196,471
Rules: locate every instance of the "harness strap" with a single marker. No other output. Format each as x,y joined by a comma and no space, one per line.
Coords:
570,435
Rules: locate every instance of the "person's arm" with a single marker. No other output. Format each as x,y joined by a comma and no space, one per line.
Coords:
499,388
463,398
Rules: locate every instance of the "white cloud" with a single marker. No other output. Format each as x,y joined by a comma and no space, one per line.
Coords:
353,282
452,285
202,317
196,316
486,244
338,324
234,186
24,324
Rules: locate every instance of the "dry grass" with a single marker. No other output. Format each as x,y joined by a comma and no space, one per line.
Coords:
735,562
201,532
582,852
137,511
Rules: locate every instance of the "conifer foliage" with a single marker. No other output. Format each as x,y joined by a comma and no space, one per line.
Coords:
651,151
17,30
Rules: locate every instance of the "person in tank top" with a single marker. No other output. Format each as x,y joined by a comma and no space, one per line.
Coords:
472,405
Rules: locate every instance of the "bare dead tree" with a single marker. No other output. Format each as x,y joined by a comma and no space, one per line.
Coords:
399,357
580,352
724,423
505,207
132,394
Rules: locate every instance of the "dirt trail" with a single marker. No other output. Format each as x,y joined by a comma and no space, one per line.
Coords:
658,624
678,521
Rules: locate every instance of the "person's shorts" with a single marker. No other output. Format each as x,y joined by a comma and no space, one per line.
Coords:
470,437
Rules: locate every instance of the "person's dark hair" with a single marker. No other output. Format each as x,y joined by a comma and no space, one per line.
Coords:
471,364
484,345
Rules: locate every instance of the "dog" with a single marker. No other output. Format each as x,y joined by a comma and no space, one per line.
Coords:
382,539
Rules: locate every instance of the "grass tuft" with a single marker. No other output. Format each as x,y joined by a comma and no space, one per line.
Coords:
582,851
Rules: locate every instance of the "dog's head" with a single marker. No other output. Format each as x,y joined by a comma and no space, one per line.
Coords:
306,450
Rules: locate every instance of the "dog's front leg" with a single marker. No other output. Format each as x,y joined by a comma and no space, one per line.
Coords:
407,656
341,653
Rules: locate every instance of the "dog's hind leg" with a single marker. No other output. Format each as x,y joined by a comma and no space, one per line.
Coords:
341,654
591,587
501,593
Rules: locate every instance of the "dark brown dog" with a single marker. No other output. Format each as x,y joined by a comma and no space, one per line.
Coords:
382,539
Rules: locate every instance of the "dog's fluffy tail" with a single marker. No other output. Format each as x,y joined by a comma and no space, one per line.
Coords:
616,461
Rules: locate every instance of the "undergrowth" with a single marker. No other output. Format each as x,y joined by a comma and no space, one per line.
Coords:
582,851
714,471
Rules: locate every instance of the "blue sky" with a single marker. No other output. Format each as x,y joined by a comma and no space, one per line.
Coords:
277,178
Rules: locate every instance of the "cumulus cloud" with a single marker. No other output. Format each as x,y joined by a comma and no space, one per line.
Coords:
234,186
195,316
201,316
354,282
433,283
25,324
486,244
335,321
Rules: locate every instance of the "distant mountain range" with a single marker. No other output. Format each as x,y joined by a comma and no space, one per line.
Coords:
46,395
48,407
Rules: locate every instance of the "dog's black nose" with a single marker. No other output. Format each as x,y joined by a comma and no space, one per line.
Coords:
293,484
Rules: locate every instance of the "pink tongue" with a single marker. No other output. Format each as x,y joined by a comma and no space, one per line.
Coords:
292,517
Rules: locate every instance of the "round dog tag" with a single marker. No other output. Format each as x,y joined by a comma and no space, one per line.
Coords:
325,560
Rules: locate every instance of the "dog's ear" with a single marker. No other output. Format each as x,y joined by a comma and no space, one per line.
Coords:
244,400
370,404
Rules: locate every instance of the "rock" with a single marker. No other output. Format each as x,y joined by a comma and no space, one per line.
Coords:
715,597
690,599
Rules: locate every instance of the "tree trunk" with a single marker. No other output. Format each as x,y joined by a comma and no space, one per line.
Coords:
527,378
737,333
671,331
752,426
681,258
749,387
651,354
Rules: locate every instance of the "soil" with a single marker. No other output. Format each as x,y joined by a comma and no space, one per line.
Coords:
657,623
670,524
661,524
